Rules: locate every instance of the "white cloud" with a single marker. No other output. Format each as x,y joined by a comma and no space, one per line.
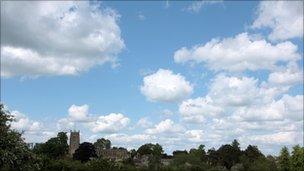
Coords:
79,113
288,107
144,122
23,123
32,131
130,141
65,124
135,138
57,38
243,99
109,123
288,76
195,135
233,91
165,86
280,138
197,5
238,53
195,110
166,126
285,18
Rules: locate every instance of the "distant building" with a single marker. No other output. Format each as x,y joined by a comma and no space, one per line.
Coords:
74,142
118,154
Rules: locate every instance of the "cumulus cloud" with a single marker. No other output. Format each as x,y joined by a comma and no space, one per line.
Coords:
144,122
288,76
284,18
166,126
195,135
57,38
109,123
288,107
244,99
65,124
165,86
23,123
238,53
79,113
32,131
280,138
195,110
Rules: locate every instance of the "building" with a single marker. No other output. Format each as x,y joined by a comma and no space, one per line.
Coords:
117,154
74,142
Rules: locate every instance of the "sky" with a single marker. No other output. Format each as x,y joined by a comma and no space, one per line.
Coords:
176,73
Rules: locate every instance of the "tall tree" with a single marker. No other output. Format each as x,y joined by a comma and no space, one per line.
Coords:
145,149
85,152
284,159
56,147
297,158
14,154
226,159
102,144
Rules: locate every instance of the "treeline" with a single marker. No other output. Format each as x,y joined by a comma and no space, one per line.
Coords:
53,155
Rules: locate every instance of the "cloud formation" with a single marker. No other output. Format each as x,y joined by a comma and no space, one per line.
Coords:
238,53
284,18
57,38
165,86
109,123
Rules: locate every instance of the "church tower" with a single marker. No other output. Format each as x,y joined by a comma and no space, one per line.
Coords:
74,142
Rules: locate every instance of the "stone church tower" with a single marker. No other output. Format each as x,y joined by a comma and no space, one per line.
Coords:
74,142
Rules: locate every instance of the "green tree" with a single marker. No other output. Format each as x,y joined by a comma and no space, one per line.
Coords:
56,147
226,158
250,155
297,158
145,149
102,144
85,152
284,159
14,154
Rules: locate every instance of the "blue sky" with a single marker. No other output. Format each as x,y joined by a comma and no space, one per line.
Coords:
144,38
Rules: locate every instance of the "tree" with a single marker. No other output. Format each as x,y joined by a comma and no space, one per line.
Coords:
226,158
102,144
297,158
14,154
155,159
252,153
145,149
154,151
284,159
213,157
55,147
250,156
84,152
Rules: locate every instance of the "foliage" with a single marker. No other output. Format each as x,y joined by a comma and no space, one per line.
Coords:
85,152
284,159
297,158
101,144
55,147
14,154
